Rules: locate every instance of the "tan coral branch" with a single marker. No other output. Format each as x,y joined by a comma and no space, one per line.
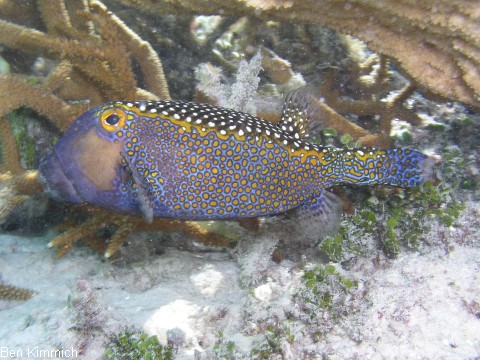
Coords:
18,91
105,60
55,14
64,242
126,225
10,157
140,50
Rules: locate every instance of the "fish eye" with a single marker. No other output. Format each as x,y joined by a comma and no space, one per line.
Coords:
112,119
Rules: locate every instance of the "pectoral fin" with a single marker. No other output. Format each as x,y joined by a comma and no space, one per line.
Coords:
318,217
144,189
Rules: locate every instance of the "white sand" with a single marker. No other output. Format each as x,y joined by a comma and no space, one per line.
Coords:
416,306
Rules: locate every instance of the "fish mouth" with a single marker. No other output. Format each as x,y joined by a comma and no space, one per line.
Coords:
57,184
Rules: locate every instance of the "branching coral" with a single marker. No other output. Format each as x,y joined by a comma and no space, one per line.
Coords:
435,42
125,225
351,83
16,184
10,159
371,83
95,65
14,189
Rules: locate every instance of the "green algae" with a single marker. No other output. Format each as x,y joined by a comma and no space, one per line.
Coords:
136,345
316,279
403,221
226,349
26,145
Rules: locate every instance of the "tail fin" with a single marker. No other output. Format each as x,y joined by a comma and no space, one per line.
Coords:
398,167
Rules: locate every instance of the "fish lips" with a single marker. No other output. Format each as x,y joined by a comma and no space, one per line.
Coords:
55,180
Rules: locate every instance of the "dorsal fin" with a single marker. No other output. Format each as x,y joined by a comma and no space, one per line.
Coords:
296,120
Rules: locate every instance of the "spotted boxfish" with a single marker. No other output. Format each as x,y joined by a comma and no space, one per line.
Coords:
186,160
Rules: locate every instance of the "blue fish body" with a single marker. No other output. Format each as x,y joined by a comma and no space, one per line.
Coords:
183,160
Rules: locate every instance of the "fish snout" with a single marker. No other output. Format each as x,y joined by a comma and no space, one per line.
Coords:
57,184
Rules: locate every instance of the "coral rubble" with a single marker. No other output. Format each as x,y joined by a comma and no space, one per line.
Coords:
9,292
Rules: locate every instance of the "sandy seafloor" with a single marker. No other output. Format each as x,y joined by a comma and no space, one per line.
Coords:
418,306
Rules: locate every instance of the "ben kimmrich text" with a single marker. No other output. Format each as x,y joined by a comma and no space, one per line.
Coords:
37,352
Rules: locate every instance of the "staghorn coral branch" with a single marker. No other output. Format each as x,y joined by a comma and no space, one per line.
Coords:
9,199
27,183
78,88
125,225
124,229
64,242
56,16
189,228
89,58
15,187
17,92
74,9
10,157
388,109
19,37
437,43
104,61
139,49
331,118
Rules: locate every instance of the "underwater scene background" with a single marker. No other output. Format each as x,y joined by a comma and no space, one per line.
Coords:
339,271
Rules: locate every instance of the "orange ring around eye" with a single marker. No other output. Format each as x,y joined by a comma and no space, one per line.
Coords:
113,119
